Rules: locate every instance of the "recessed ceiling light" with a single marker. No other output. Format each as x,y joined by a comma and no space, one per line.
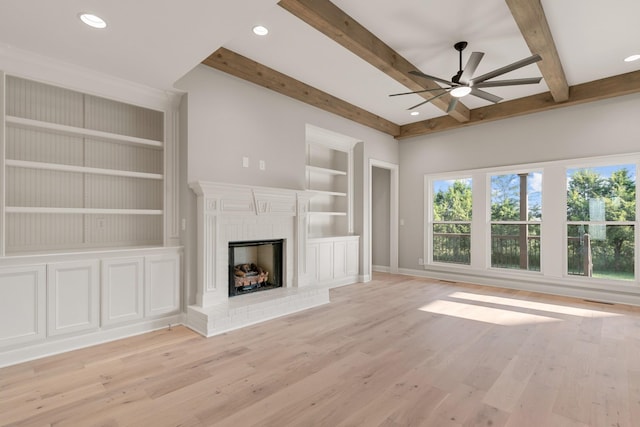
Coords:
260,30
415,113
461,91
92,20
631,58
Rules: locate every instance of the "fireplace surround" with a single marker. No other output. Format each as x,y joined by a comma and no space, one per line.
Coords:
235,213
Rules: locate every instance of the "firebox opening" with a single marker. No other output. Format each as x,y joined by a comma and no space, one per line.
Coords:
255,266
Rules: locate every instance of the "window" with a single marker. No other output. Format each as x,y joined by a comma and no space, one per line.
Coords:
516,215
601,214
451,226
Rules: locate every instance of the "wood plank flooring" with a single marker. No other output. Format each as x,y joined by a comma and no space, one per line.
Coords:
398,351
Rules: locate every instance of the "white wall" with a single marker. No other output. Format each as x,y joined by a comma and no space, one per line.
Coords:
595,129
229,118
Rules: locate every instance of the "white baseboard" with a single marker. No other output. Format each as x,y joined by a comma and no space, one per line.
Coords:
543,285
364,278
381,268
51,347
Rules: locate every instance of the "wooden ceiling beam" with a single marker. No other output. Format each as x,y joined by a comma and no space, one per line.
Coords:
340,27
610,87
534,27
247,69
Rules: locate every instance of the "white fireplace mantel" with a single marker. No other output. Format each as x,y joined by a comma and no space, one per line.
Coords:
230,213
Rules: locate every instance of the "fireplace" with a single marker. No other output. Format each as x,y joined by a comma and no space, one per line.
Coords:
255,266
230,214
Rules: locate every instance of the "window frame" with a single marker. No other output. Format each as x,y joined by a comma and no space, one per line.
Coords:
599,162
490,222
429,181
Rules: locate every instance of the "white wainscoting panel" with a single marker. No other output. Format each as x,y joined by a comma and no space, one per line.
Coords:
22,304
162,284
122,290
73,297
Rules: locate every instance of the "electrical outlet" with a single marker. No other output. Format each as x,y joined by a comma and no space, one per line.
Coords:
263,165
183,224
245,162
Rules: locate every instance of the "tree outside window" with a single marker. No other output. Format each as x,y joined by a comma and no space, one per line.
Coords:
516,215
451,226
601,214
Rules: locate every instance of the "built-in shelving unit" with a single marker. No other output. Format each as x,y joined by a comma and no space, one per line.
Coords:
89,230
332,249
80,171
328,177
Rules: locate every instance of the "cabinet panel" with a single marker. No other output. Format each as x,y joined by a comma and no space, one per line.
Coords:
325,261
162,284
122,290
352,257
22,304
73,300
339,260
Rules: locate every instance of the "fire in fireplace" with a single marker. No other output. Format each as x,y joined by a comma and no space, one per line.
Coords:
255,266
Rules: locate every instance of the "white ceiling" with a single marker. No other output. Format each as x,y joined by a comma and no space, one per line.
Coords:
155,42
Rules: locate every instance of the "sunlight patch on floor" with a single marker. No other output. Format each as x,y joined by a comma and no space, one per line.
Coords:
497,316
539,306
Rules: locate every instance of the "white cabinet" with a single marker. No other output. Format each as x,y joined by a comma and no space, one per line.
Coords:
22,304
162,284
73,296
122,290
54,303
333,261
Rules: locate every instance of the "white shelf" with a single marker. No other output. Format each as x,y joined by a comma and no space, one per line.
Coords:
26,209
81,169
76,131
328,193
326,170
328,213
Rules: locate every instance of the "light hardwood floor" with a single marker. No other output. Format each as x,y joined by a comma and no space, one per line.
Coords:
398,351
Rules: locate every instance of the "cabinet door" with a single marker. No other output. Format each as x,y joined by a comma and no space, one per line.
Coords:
325,261
122,290
352,258
22,304
73,300
162,284
339,259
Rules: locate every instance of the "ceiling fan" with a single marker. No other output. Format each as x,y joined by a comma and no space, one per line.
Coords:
463,83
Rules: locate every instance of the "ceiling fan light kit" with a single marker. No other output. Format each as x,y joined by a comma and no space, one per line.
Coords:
460,91
463,83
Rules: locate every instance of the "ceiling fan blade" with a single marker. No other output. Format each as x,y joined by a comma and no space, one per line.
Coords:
419,91
427,76
428,100
513,82
485,95
452,104
505,69
471,66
